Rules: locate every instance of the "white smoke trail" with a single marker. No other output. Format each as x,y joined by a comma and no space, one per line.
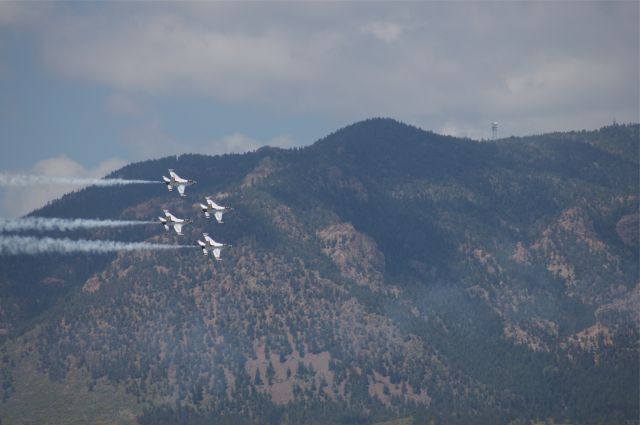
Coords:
16,180
21,245
44,224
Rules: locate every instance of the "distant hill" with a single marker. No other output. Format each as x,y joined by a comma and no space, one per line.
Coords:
385,272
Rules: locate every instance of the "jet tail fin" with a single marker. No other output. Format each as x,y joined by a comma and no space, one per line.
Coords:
218,215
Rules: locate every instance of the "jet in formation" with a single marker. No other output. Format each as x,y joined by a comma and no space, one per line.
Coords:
171,220
177,181
210,245
217,210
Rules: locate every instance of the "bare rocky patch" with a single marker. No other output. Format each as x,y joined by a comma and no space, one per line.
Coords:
356,255
627,229
266,167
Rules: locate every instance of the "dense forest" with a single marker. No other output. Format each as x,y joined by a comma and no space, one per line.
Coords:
383,273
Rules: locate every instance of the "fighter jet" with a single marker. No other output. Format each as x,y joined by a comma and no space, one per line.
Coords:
218,210
176,180
171,220
210,244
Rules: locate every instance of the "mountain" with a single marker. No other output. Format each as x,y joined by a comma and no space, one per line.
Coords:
383,273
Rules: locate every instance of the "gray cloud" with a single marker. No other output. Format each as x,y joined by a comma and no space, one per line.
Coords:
169,54
535,66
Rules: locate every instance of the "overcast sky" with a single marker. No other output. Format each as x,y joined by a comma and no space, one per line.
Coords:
88,87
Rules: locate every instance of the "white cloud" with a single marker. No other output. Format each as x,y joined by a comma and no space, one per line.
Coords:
151,141
106,167
19,201
385,31
59,166
238,143
457,129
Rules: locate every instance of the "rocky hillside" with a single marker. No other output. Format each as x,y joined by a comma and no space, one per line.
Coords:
383,272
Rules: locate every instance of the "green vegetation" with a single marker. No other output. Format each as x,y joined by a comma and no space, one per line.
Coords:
43,401
384,272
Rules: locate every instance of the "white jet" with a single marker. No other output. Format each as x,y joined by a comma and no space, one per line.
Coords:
171,220
210,244
177,181
218,210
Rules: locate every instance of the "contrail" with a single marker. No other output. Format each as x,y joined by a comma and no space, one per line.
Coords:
62,224
17,180
29,245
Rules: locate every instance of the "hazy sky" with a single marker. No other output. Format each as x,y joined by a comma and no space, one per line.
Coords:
87,87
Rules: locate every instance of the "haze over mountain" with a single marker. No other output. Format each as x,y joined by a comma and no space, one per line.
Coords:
383,272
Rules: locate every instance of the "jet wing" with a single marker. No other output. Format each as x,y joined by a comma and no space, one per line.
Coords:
180,189
216,253
178,228
218,215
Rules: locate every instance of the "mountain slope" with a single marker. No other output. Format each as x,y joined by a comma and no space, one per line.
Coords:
384,271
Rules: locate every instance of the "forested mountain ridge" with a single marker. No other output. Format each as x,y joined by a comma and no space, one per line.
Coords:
382,272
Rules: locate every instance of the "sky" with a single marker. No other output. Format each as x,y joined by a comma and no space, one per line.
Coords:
87,87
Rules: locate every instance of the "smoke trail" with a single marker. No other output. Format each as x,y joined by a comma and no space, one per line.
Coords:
20,245
17,180
61,224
